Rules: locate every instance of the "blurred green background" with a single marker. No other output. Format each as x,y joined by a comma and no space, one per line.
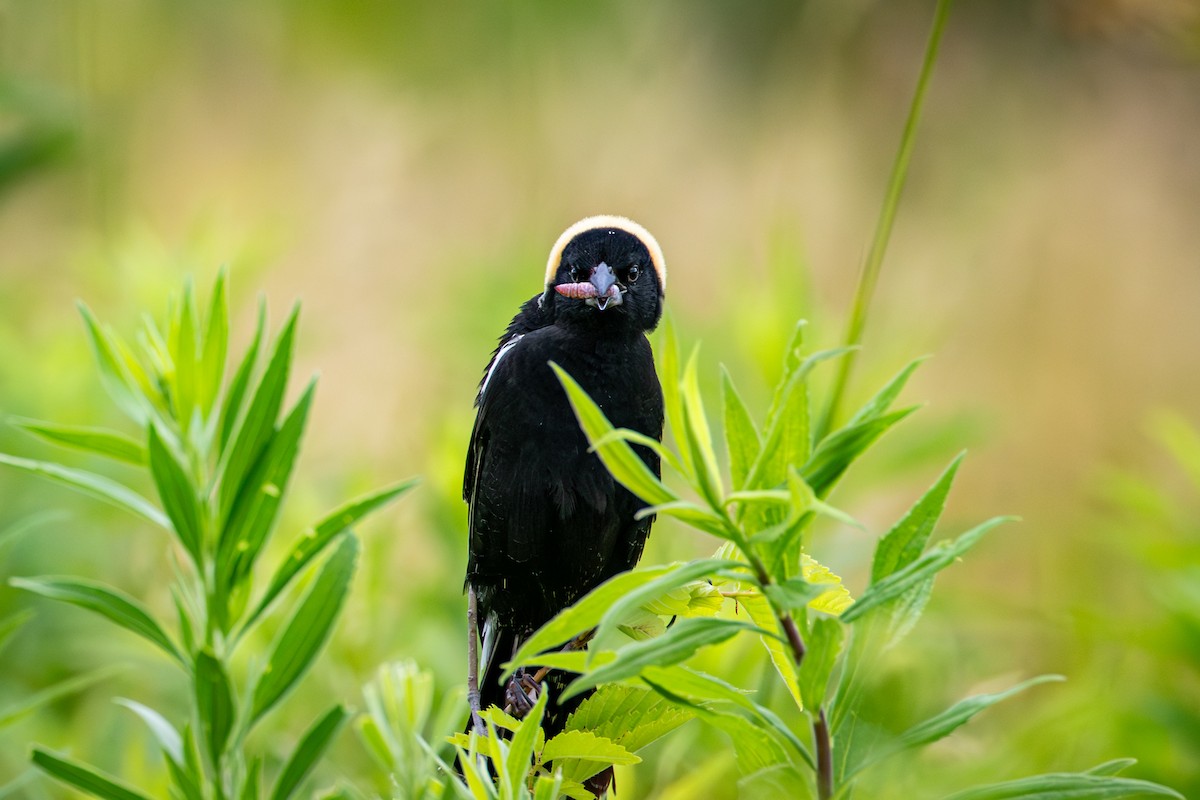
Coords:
402,168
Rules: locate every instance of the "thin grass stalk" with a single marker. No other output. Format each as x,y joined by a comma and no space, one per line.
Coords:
869,274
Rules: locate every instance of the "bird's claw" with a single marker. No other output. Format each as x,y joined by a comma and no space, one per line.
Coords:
521,694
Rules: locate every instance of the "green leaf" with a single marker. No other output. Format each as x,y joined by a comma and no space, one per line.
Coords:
231,408
251,783
618,457
214,701
258,424
13,623
50,694
183,353
794,593
113,374
84,777
310,749
214,349
925,567
92,484
708,479
878,405
741,436
835,453
252,516
668,359
164,732
680,642
314,540
581,754
628,590
824,643
524,741
104,600
950,720
1066,786
178,496
300,640
905,542
93,440
630,716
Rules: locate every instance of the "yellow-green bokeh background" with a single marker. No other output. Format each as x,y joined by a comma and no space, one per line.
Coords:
401,168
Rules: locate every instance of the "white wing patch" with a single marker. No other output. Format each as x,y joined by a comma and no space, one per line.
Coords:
509,345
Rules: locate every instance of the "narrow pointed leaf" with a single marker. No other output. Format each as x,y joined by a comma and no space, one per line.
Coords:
824,644
164,732
878,405
699,436
52,693
231,408
84,777
308,752
104,600
741,436
183,353
214,701
314,541
252,516
110,444
13,623
214,349
524,739
258,424
839,450
905,542
925,567
251,783
92,484
178,496
301,639
1066,786
950,720
626,466
668,359
113,374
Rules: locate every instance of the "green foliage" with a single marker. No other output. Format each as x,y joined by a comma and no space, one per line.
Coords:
219,460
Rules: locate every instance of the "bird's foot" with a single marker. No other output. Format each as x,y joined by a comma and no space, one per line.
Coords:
521,694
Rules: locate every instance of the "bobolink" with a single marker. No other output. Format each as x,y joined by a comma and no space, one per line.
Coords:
547,521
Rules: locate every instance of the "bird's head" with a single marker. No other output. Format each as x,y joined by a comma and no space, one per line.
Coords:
606,269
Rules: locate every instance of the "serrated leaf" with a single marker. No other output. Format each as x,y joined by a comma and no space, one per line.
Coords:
214,349
84,777
950,720
101,441
92,484
624,593
905,542
314,541
104,600
925,567
308,752
630,716
836,598
1066,786
792,594
742,442
214,702
113,374
618,457
258,424
581,754
839,450
252,515
302,637
178,496
760,612
680,642
878,405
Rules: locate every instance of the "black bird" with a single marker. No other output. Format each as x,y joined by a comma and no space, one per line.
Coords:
547,521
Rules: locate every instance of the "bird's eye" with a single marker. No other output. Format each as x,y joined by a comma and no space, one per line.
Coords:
632,275
578,273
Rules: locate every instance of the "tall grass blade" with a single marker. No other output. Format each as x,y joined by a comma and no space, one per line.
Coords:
308,752
84,777
110,444
92,484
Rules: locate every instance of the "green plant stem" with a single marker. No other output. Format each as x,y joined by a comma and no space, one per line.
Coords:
869,274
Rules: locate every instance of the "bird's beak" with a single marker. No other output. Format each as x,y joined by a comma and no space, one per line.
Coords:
603,279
